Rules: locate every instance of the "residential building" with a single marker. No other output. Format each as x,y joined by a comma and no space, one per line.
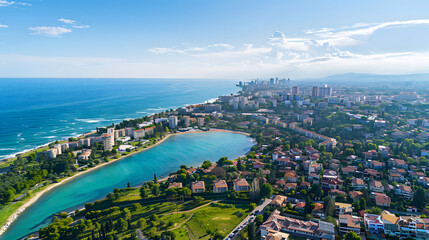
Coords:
398,163
84,155
172,122
108,141
358,184
374,224
315,92
384,151
306,229
376,186
404,191
390,222
51,153
295,90
381,199
279,201
200,122
349,223
240,184
343,208
220,186
175,185
198,186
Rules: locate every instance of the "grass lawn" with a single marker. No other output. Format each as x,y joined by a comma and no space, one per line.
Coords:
211,218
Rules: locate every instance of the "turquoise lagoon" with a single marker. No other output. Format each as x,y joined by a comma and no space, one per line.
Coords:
189,149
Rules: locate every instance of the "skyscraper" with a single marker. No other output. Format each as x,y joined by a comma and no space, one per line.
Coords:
295,90
172,122
315,92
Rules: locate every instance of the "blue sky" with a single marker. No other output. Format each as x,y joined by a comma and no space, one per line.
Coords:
212,39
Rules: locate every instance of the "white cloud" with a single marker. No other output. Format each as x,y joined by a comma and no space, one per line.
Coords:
68,21
49,31
350,35
320,52
24,4
4,3
317,53
3,26
81,26
72,23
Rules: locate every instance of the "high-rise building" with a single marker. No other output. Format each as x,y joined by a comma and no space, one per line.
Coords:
108,141
295,90
325,91
315,92
271,81
200,122
186,121
172,122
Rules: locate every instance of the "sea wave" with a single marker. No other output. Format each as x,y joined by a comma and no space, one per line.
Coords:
95,120
49,137
22,151
7,149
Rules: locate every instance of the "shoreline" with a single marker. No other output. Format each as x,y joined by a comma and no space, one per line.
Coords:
3,160
51,186
12,218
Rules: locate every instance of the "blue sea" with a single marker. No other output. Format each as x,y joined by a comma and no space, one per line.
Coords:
37,111
34,112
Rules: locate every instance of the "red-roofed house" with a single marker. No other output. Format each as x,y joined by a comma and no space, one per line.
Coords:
220,186
240,184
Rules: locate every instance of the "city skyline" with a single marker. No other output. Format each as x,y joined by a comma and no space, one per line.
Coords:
220,39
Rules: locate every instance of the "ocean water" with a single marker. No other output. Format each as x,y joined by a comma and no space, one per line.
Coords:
34,112
189,149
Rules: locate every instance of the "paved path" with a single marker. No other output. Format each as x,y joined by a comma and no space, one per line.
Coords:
246,220
191,210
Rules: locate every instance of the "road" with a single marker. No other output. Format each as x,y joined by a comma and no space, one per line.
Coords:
246,220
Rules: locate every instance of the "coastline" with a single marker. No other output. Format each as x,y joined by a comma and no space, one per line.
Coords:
51,186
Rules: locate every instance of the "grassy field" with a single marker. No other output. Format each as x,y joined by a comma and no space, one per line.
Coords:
211,219
8,210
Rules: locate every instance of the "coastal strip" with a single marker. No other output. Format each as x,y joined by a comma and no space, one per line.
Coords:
34,198
31,201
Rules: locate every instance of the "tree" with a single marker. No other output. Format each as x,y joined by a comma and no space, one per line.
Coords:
239,166
143,192
362,203
351,236
376,210
259,219
126,213
420,198
170,193
266,190
141,223
206,164
309,206
155,180
128,185
251,232
252,206
329,206
349,151
121,225
371,146
155,190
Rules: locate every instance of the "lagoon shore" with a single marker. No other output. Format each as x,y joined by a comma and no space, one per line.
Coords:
51,186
